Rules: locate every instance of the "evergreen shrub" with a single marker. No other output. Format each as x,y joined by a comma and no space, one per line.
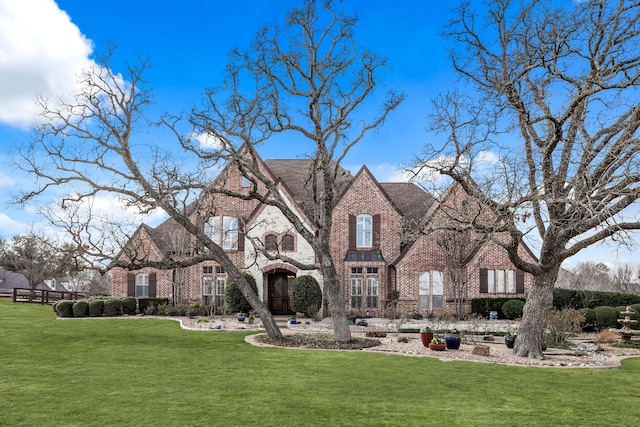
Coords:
64,308
129,305
606,317
233,298
81,308
483,306
306,295
589,318
512,309
96,307
113,307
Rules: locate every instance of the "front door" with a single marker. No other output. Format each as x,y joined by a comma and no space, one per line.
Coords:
279,293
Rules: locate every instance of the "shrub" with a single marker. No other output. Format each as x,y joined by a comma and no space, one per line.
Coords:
233,298
143,303
512,309
113,307
81,309
129,305
561,324
606,317
589,318
306,295
572,298
64,308
151,310
483,306
96,307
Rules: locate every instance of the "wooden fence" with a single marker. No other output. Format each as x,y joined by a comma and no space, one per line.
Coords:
43,296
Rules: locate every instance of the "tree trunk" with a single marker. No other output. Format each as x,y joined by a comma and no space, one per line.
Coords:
534,316
333,290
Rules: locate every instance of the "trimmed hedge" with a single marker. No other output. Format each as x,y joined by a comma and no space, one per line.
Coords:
606,317
589,318
306,295
573,298
64,308
129,306
233,298
81,309
483,306
113,307
96,307
512,309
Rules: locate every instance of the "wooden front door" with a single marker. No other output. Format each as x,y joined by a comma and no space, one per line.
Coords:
279,293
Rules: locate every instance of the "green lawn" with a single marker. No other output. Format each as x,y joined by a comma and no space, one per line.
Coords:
142,372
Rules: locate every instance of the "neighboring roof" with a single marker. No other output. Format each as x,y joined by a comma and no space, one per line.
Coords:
10,280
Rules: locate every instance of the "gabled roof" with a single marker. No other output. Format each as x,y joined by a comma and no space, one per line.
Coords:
10,280
295,174
412,201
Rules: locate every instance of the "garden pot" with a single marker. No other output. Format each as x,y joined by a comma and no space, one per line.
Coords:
452,342
437,347
426,338
509,341
241,318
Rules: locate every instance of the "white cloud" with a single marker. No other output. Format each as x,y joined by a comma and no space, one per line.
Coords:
10,227
207,141
41,52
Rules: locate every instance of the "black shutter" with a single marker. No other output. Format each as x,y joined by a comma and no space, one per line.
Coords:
484,281
376,231
131,285
152,285
352,232
519,281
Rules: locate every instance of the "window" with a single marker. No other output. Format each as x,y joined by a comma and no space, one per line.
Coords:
207,290
142,285
501,281
246,181
223,231
288,243
271,242
364,231
368,276
220,286
431,290
207,270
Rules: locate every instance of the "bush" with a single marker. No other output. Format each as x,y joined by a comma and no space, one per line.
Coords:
306,295
572,298
96,307
64,308
81,309
113,307
606,317
483,306
143,303
233,298
561,324
512,309
129,305
589,318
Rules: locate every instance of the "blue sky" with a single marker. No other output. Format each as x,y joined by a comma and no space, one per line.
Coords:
43,43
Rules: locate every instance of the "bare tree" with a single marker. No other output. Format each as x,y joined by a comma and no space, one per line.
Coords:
624,278
38,258
555,104
307,79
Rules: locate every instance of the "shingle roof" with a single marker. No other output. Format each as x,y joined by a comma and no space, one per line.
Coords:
410,199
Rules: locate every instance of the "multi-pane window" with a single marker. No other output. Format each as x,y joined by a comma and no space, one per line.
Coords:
142,285
431,290
220,285
207,290
271,242
364,231
223,230
361,277
288,243
501,281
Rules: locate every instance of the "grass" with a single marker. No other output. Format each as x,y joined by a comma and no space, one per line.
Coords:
133,372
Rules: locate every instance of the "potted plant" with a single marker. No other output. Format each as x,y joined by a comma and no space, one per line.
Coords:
452,339
426,335
510,339
437,344
351,319
241,317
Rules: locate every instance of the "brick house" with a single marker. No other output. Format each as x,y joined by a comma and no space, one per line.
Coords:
375,247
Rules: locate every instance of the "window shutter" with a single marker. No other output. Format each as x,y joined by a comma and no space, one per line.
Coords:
484,281
131,285
352,232
376,231
152,285
519,281
240,241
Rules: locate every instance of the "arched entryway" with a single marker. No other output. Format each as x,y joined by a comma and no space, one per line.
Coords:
278,282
